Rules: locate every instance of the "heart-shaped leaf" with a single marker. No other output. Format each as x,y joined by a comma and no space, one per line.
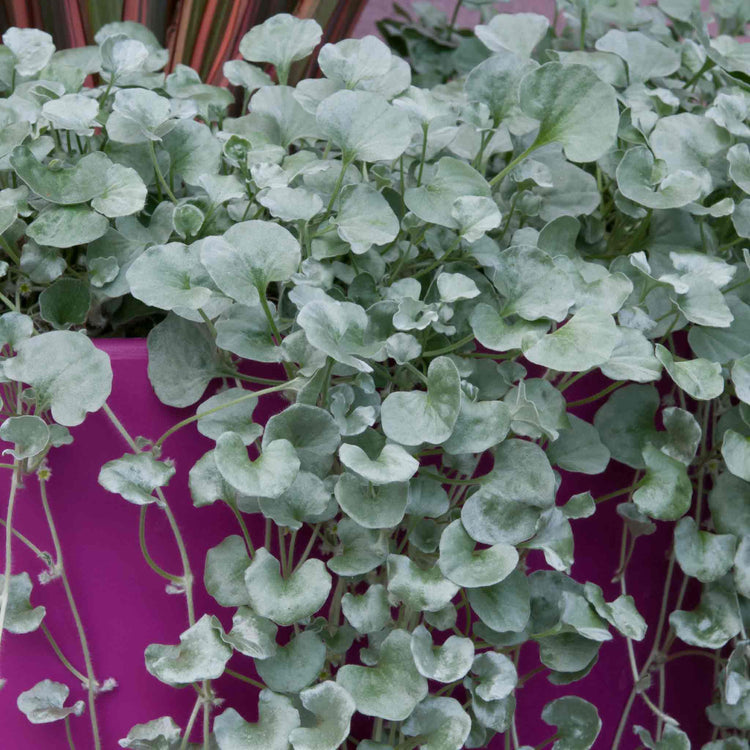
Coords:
270,475
735,449
368,612
579,448
700,554
155,734
626,423
45,702
30,435
713,622
391,689
20,616
585,341
224,575
393,464
666,491
577,721
68,373
453,180
295,665
182,360
277,718
333,708
495,674
480,426
248,257
201,655
365,218
169,276
621,612
440,723
515,32
699,378
461,563
574,107
445,663
286,600
364,126
416,417
135,476
280,40
420,589
504,606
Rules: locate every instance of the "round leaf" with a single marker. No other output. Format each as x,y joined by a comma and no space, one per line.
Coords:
574,107
68,373
248,257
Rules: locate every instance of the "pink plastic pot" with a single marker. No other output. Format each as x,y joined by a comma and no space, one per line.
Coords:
124,606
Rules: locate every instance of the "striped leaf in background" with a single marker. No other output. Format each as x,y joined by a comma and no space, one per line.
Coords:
200,33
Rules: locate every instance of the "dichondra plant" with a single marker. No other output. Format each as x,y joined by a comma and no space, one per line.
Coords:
427,271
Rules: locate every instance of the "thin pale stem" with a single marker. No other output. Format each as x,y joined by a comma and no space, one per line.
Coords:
69,734
244,678
191,722
241,521
61,656
91,683
308,549
514,162
159,176
5,595
144,549
25,540
233,402
187,574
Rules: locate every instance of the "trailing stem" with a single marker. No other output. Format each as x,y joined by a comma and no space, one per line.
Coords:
91,683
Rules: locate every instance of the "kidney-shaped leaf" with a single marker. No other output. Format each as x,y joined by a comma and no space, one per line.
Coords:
20,616
574,107
45,702
277,718
416,417
393,464
29,433
666,491
577,721
445,663
201,655
68,373
440,723
714,622
364,126
434,201
466,566
391,689
270,475
295,665
420,589
585,341
248,257
700,554
135,476
280,40
286,600
333,709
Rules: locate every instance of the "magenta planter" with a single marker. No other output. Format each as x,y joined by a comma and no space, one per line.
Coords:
124,606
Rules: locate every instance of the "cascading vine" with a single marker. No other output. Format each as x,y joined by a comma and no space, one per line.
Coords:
531,265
